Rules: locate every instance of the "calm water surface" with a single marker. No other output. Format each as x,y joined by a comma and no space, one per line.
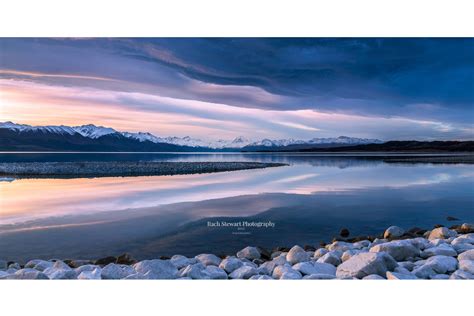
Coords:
308,201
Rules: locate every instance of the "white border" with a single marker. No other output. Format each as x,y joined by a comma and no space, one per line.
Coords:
248,18
221,297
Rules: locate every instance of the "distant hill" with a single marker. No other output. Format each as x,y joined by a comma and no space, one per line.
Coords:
402,146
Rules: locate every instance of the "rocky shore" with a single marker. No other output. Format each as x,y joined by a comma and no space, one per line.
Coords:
121,168
437,254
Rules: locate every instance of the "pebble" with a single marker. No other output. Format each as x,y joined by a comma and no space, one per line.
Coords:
296,255
441,232
441,250
209,259
373,277
319,276
467,265
244,272
180,261
367,263
249,253
400,276
230,264
115,271
332,257
467,255
157,269
400,250
90,275
393,232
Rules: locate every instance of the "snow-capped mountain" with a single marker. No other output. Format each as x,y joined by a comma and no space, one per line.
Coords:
343,140
26,128
94,132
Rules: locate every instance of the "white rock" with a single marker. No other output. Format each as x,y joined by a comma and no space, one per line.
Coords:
180,261
442,264
438,241
279,270
362,244
32,263
136,276
280,260
215,273
400,276
61,274
461,275
244,272
249,253
463,239
332,257
291,275
209,259
402,270
467,265
260,277
349,253
230,264
305,268
407,265
400,250
4,274
366,263
15,266
373,277
441,250
195,271
157,269
296,255
29,274
90,275
393,232
266,268
60,265
319,276
440,277
467,255
424,271
43,265
340,245
442,232
420,243
460,248
276,254
379,241
320,252
467,226
86,267
116,271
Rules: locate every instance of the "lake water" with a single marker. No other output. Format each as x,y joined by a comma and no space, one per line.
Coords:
307,202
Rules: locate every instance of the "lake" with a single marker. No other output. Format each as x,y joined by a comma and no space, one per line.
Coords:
306,202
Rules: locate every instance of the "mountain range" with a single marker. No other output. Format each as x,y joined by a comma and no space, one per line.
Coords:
22,137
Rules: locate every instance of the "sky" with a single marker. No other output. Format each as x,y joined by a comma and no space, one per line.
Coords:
221,88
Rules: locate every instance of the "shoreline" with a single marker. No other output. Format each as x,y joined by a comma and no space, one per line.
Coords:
440,253
121,168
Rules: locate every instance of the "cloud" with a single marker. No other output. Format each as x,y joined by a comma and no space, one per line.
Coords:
230,79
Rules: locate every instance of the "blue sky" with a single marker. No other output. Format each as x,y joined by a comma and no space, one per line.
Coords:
221,88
